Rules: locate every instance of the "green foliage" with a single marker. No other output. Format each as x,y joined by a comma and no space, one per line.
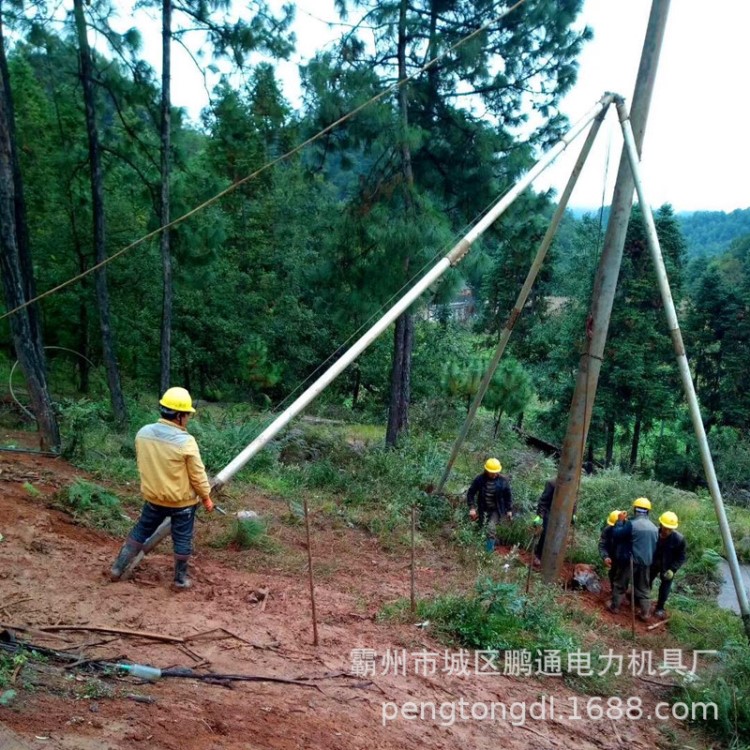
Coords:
9,663
94,505
727,686
33,491
710,233
248,533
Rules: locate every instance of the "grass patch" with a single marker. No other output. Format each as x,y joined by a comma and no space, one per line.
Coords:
727,686
248,533
497,616
94,506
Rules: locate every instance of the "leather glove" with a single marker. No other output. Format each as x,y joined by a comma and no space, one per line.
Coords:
473,514
208,504
537,521
668,575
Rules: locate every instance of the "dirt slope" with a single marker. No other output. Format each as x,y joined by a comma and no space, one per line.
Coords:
51,573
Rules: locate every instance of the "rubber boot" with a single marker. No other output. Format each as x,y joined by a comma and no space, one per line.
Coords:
129,550
181,579
490,546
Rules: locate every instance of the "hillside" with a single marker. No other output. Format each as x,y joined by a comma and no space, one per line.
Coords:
709,233
249,614
706,233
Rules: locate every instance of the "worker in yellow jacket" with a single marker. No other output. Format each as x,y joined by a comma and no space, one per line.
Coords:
173,479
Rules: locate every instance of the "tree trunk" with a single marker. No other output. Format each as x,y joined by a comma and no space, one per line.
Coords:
636,440
610,446
357,385
97,201
166,257
15,267
498,417
398,413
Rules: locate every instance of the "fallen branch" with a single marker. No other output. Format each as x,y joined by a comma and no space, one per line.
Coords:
119,631
35,631
657,624
660,684
140,698
230,634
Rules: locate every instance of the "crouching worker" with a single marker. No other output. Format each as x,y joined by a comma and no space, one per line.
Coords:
669,557
489,498
172,479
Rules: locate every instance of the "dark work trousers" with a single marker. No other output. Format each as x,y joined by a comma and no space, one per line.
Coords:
620,582
665,587
642,585
613,574
183,520
539,549
492,521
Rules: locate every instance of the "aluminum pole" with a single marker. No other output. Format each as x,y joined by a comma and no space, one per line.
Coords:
451,259
523,295
684,367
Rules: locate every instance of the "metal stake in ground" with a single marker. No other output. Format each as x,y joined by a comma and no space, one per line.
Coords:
413,570
310,574
632,598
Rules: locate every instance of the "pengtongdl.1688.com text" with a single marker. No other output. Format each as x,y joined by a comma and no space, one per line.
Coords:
548,708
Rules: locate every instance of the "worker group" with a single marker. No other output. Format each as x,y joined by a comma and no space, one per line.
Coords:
635,551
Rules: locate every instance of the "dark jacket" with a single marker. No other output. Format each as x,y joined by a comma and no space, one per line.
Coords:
670,554
544,504
637,538
482,487
607,546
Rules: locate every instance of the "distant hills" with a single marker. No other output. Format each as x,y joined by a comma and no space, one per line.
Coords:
710,233
707,233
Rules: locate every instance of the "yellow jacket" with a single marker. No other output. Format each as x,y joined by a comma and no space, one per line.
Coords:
170,465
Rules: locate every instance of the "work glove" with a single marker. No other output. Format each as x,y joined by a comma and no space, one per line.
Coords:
208,504
668,575
509,515
537,521
607,562
473,514
573,520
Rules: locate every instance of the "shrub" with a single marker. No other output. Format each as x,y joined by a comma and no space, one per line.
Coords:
729,688
94,505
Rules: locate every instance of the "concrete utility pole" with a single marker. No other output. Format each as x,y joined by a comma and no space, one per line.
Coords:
569,470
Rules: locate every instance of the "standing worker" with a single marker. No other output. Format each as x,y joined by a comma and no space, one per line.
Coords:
639,537
543,508
671,551
490,493
608,548
172,479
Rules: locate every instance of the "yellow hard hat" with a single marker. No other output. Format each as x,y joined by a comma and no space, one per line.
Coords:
642,502
612,517
177,399
493,466
669,520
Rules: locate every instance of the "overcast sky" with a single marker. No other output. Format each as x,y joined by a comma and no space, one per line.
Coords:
697,149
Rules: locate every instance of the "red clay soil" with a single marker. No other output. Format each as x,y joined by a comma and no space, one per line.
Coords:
51,572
